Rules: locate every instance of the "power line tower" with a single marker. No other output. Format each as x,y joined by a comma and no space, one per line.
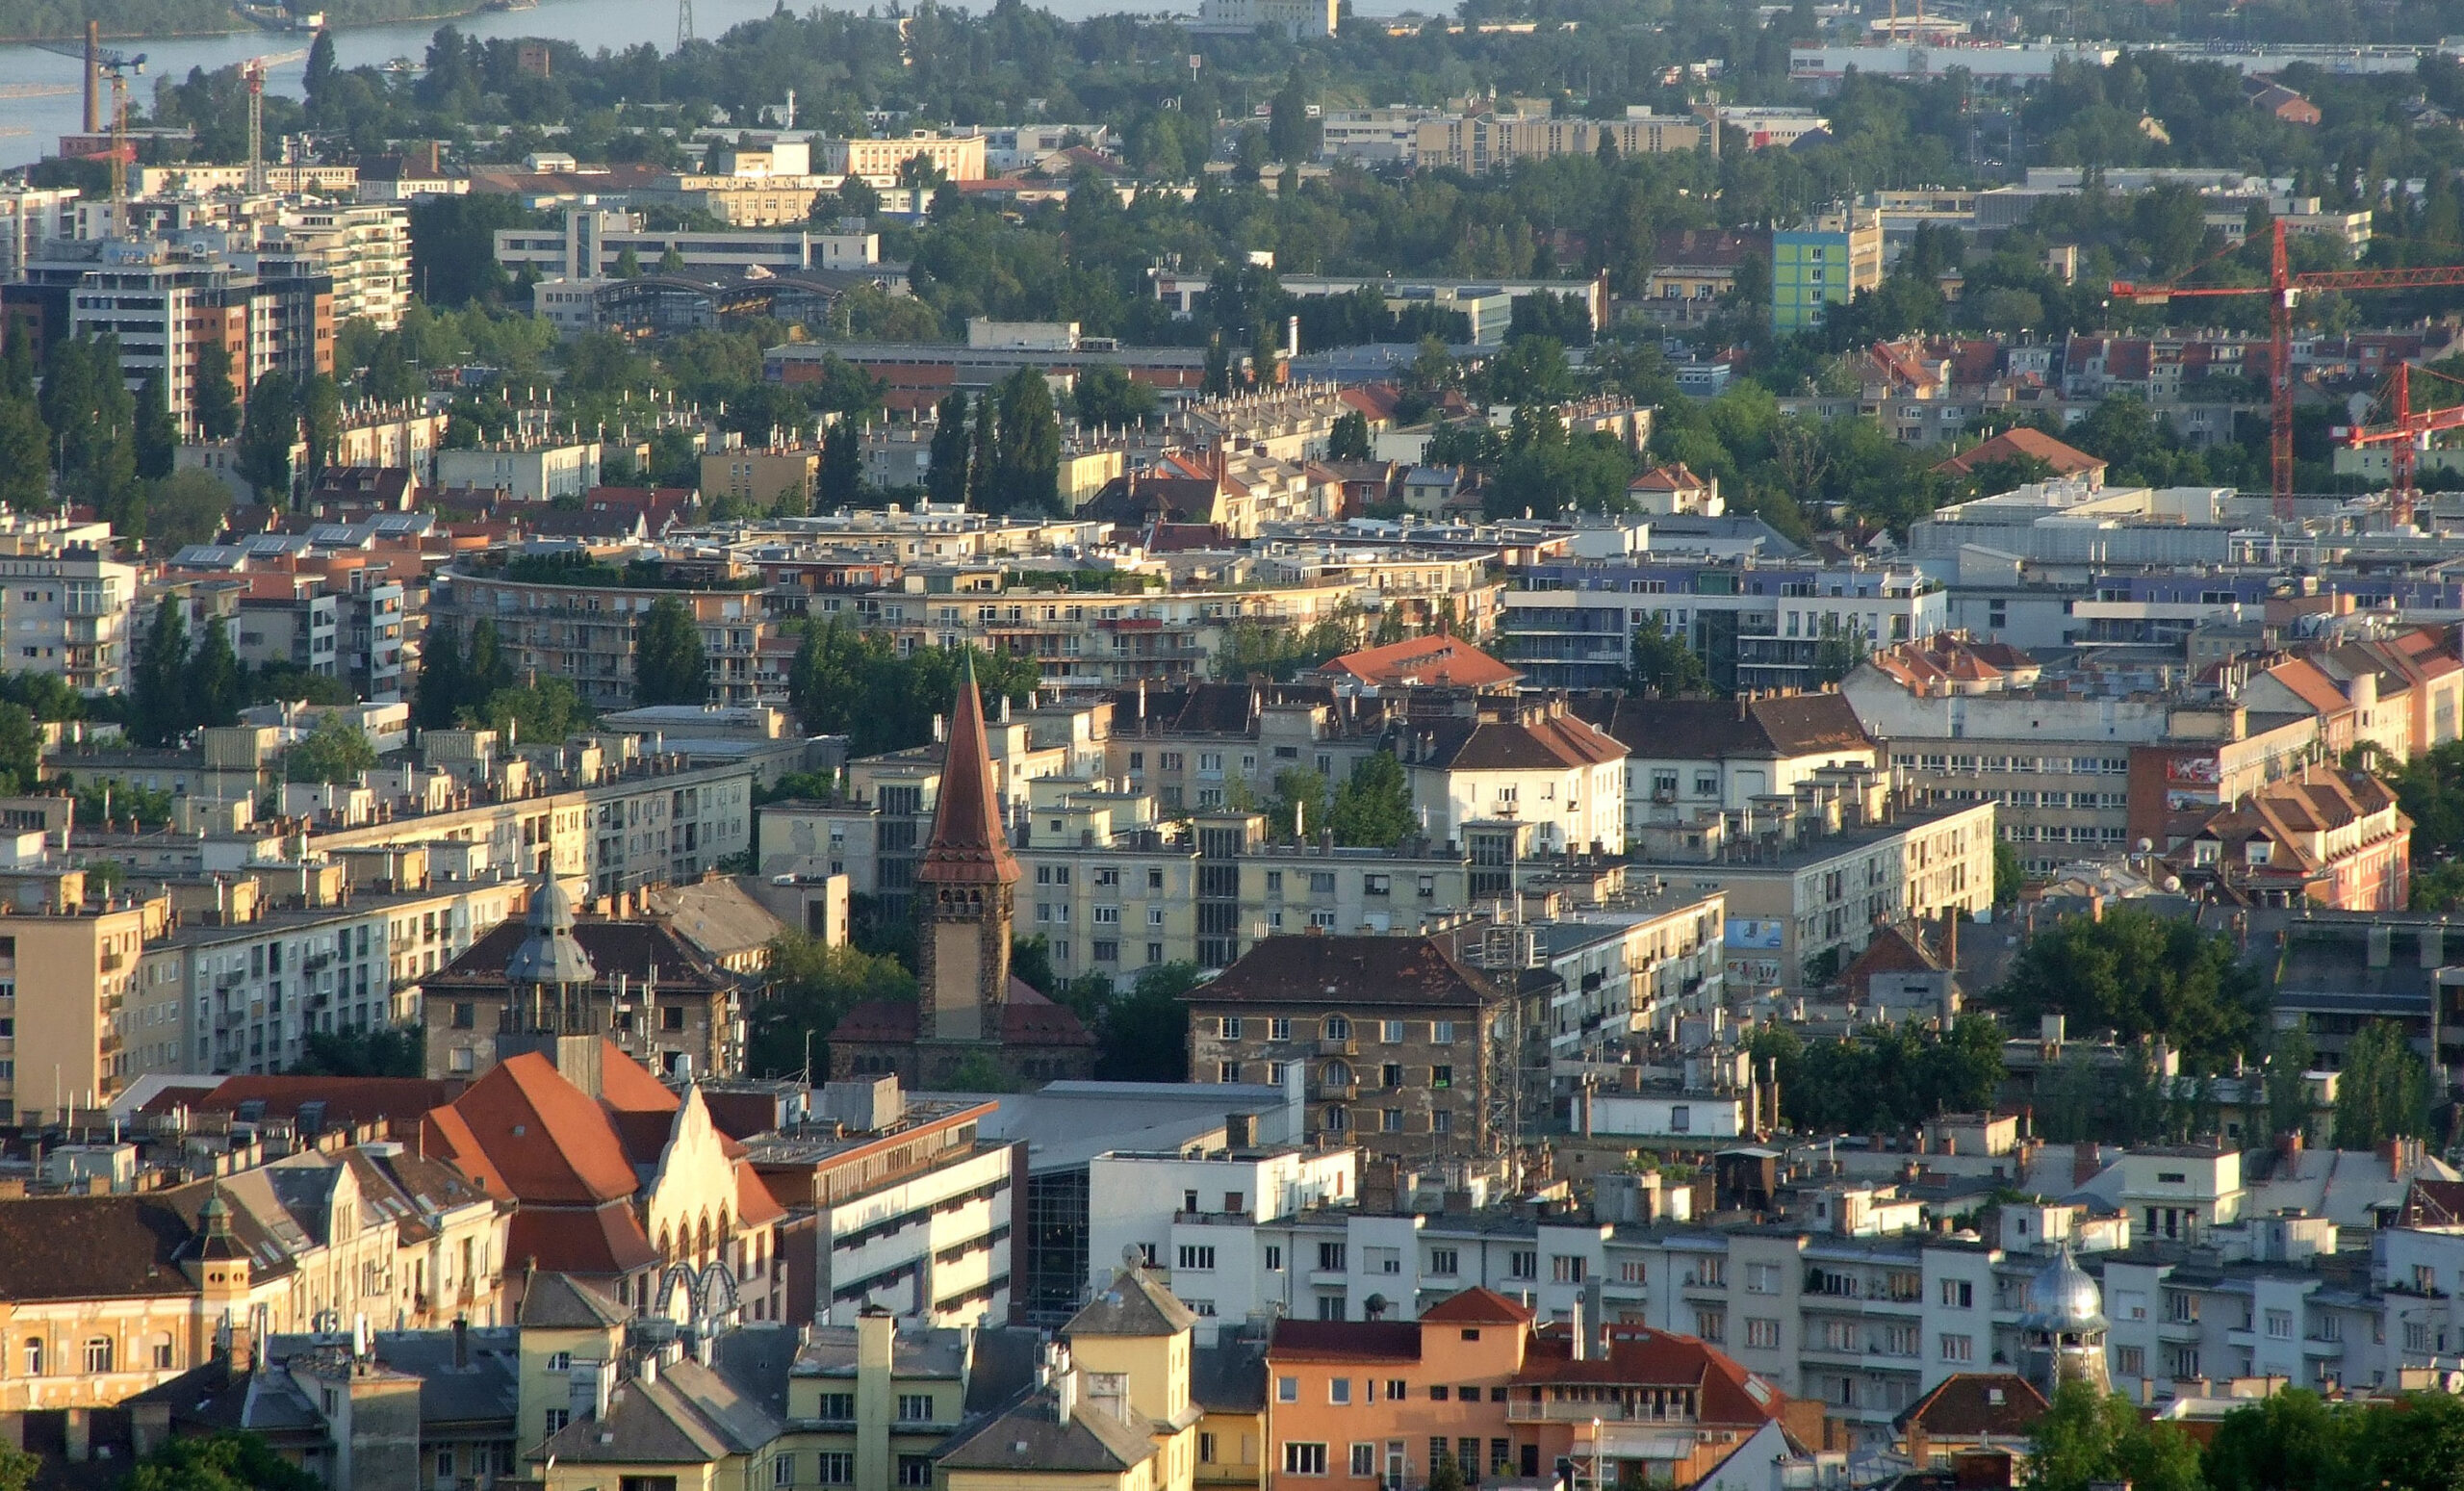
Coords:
683,23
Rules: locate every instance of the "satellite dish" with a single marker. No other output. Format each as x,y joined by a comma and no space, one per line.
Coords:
1133,1256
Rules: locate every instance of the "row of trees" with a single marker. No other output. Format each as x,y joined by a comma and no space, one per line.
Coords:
1007,459
1886,1080
2293,1439
848,682
470,681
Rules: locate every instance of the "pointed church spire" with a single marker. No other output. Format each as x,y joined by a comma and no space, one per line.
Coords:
969,844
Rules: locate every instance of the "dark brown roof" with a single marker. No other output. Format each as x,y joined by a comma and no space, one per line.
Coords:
110,1247
1972,1404
970,844
1208,708
336,1102
633,948
1312,969
1714,729
1345,1341
1532,740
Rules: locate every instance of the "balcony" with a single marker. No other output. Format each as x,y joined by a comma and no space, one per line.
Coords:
1333,1092
1520,1409
1338,1046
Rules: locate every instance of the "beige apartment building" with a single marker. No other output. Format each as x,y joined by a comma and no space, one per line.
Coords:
68,973
1498,141
765,477
583,630
1083,639
959,157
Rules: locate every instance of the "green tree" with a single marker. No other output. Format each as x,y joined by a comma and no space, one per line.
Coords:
378,1051
186,507
945,476
335,751
215,406
1348,440
842,467
268,434
220,1461
2290,1438
2288,1083
321,420
20,749
983,477
485,670
157,437
25,439
2085,1438
212,686
813,985
1292,134
628,264
2384,1089
548,711
2137,974
1027,464
1108,398
1299,805
1144,1036
669,663
1373,807
2008,879
1662,664
158,685
438,696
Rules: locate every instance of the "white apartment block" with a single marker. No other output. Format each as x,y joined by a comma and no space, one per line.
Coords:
1192,1216
366,248
64,609
28,216
535,473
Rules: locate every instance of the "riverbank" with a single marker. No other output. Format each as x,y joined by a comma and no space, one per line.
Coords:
77,36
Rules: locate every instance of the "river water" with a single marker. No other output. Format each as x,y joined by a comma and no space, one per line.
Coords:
30,127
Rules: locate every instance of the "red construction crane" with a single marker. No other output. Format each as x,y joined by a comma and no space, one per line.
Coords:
2283,292
2405,436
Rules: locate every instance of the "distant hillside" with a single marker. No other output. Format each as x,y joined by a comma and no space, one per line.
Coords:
64,19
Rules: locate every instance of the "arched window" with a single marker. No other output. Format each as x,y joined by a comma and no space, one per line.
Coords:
1336,1075
666,1245
98,1353
703,1249
1337,1120
1336,1027
33,1356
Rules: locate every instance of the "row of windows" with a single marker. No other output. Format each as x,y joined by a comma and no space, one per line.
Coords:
1331,1027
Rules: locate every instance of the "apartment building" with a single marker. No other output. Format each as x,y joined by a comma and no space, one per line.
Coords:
1080,639
364,248
913,1211
878,159
1823,263
1758,628
534,472
1296,19
1689,757
253,964
1406,1048
578,623
2321,838
1807,881
1977,722
113,1294
64,604
1532,763
1489,141
1191,1217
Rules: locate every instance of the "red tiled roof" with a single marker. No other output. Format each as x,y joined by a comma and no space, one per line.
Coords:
1475,1306
1438,660
545,1138
589,1240
2022,440
1726,1393
628,1085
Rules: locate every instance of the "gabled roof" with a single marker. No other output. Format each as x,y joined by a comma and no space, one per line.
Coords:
559,1302
1975,1404
1529,739
336,1102
970,844
544,1138
1136,1304
690,1416
2023,442
1438,662
1032,1433
1381,970
1792,725
1475,1306
1726,1393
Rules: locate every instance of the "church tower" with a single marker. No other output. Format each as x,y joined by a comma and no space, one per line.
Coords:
964,887
2061,1327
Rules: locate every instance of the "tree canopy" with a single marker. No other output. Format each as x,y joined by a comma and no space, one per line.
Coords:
2137,974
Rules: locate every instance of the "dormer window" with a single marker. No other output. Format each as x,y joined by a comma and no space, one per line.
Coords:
2203,852
2258,851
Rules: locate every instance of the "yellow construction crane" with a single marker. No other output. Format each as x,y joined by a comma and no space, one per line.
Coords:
121,69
